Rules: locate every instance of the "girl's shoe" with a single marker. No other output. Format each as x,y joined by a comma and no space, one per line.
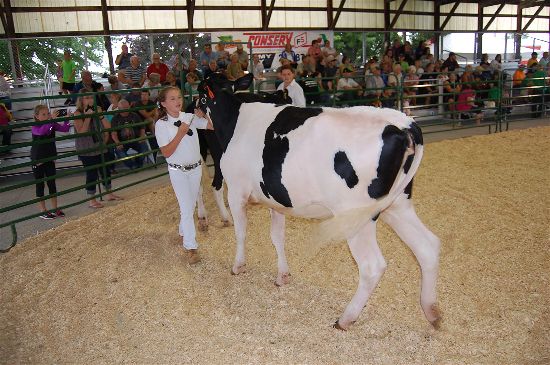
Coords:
47,216
59,213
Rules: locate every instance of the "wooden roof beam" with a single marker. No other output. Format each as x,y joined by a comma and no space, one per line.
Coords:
533,17
450,15
493,17
338,12
398,13
269,13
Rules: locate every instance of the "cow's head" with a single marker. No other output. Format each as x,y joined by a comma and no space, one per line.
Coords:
216,87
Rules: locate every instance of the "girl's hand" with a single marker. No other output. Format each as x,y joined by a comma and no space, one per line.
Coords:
199,113
183,128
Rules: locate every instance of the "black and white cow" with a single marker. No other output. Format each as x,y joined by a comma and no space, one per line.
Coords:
209,142
350,166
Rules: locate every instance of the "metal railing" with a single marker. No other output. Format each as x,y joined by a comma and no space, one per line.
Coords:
438,110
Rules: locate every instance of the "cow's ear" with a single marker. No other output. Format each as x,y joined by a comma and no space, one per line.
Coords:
244,82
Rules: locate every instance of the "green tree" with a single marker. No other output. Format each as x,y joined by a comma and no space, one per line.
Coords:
35,54
351,44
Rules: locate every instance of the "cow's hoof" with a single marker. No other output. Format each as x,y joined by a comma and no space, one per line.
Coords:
283,279
434,316
238,270
338,327
226,223
203,224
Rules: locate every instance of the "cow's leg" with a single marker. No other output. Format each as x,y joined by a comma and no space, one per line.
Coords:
371,265
237,205
218,195
402,217
278,239
201,212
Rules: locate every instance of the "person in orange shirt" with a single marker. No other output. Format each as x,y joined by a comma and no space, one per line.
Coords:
519,76
532,60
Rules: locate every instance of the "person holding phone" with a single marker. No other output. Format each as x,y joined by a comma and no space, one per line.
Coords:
177,136
43,154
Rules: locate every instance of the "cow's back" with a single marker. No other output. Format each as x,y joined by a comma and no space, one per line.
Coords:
299,158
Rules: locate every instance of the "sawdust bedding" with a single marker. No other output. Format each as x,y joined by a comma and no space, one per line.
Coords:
114,287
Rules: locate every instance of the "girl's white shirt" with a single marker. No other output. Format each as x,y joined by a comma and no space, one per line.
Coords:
188,151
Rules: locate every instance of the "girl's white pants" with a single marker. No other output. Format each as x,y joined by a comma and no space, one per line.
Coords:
186,185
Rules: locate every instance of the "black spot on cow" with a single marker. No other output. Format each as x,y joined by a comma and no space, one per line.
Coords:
344,169
409,190
276,146
395,142
416,133
408,163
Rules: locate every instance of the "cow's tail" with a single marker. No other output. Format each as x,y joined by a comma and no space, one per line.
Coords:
346,224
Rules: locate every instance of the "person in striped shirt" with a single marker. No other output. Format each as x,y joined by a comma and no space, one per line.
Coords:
134,73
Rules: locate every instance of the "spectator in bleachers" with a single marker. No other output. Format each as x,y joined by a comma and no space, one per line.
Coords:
533,60
496,64
148,115
518,76
313,90
5,91
395,78
314,51
346,66
134,96
257,67
290,55
330,71
191,84
308,66
408,53
468,75
295,91
206,56
429,88
212,69
158,67
133,73
350,89
485,61
234,70
222,60
153,81
123,59
403,62
327,50
465,104
374,84
124,123
5,118
242,57
86,123
396,48
451,62
114,83
387,99
43,147
88,82
420,49
389,56
194,68
114,98
410,83
69,72
498,97
426,57
171,80
451,88
418,65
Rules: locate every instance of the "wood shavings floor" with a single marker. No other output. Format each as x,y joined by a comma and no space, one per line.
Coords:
114,287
